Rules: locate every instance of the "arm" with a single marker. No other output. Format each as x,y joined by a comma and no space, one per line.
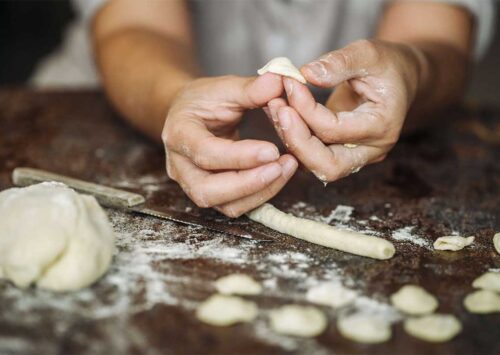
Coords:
144,50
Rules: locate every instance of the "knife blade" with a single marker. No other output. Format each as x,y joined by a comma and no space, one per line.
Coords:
130,202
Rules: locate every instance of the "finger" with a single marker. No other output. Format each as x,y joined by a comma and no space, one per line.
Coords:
328,163
238,207
192,139
273,106
358,126
356,60
208,189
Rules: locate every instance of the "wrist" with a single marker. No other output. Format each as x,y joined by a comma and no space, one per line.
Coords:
422,67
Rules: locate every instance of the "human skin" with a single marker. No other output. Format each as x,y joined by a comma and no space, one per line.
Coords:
145,53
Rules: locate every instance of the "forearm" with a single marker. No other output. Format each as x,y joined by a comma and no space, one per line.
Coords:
142,71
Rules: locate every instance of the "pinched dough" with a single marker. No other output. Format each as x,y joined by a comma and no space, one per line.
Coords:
412,299
322,233
452,242
433,327
238,284
331,294
496,242
364,328
53,237
488,281
482,301
300,321
223,310
282,66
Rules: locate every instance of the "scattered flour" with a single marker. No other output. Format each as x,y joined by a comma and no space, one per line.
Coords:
405,235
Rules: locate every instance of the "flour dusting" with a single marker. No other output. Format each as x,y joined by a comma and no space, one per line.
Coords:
405,235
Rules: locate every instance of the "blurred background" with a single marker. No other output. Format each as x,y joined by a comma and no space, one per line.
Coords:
28,33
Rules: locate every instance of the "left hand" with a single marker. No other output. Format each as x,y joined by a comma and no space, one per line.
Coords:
376,83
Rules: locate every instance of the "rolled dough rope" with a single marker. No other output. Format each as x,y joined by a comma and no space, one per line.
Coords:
282,66
322,234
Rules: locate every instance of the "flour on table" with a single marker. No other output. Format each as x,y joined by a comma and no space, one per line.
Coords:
405,235
433,328
300,321
238,284
414,300
224,310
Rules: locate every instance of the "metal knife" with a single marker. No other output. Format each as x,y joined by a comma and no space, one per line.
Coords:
129,202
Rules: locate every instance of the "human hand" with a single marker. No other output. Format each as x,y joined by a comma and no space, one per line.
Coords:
204,155
376,83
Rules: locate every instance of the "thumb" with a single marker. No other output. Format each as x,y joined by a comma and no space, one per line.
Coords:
335,67
253,92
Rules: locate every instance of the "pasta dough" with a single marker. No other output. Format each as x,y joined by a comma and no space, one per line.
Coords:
496,242
53,237
238,284
300,321
452,242
364,328
223,310
322,234
282,66
412,299
482,301
488,281
433,327
330,294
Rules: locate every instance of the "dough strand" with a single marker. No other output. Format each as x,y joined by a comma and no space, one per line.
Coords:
322,234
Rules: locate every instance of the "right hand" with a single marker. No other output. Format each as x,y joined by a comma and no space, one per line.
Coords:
203,152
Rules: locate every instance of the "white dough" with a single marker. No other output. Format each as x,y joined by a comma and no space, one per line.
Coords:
488,281
496,242
433,327
223,310
452,242
238,284
331,294
412,299
54,237
322,234
364,328
300,321
282,66
482,301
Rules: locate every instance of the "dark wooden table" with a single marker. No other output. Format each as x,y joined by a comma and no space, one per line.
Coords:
432,184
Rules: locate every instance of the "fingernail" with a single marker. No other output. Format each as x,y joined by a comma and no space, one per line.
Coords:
267,155
289,167
270,173
285,120
317,69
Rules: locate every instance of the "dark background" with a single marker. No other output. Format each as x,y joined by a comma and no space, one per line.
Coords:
31,29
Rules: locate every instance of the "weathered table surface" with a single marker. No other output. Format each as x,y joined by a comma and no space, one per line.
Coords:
431,185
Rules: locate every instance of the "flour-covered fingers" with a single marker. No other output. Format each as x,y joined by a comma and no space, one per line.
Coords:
363,124
273,107
193,140
210,189
238,207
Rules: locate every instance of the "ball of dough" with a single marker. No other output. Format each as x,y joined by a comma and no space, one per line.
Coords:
364,328
412,299
238,284
300,321
433,327
482,301
488,281
223,310
53,237
330,294
453,243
